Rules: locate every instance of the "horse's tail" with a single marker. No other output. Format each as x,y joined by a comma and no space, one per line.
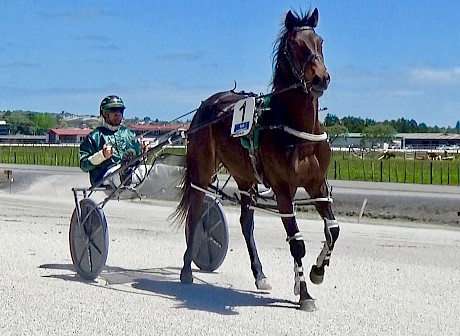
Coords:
180,212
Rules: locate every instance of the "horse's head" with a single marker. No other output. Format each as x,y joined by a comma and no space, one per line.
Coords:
300,54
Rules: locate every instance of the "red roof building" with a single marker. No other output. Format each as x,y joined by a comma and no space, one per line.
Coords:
67,135
155,130
76,135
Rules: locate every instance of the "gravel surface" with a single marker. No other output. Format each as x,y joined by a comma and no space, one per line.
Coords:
386,278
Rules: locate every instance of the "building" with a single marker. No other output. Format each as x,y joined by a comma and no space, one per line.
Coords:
4,128
76,135
405,140
155,130
429,140
67,135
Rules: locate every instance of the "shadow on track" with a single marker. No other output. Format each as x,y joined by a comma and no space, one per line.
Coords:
164,283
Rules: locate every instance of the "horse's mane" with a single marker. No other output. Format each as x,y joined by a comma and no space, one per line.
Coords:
278,47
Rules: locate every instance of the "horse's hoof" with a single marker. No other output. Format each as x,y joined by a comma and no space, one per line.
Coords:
186,277
317,275
308,305
262,284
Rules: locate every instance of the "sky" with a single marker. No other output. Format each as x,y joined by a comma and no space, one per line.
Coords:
387,59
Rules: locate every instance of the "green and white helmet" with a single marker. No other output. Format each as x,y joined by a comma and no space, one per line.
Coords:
111,102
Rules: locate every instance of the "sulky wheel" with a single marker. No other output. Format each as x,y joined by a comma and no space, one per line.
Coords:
89,239
211,236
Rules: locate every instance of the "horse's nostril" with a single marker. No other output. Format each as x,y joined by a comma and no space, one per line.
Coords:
321,82
317,81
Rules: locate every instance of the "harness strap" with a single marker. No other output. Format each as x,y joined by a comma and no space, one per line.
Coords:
255,168
194,186
304,135
272,212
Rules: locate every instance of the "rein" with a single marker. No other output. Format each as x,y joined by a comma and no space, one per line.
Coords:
302,83
287,129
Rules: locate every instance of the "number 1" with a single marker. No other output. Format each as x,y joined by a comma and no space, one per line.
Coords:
243,107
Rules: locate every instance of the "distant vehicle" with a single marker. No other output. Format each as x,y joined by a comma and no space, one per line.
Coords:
453,147
442,147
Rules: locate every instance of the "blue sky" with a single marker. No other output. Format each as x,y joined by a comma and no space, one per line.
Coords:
387,59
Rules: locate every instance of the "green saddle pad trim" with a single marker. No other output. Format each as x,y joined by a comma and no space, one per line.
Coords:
246,140
254,134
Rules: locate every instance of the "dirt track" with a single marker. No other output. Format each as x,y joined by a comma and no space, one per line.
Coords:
383,280
414,204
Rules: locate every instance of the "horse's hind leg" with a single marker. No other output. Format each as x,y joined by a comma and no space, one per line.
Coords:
247,227
196,199
331,232
200,168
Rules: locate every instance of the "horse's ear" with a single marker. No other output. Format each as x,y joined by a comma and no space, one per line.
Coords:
313,19
290,21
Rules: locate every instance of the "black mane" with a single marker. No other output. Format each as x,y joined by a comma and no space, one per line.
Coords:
300,20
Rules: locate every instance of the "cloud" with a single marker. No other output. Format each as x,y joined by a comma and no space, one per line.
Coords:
106,46
436,76
178,57
79,15
19,65
89,37
399,93
97,42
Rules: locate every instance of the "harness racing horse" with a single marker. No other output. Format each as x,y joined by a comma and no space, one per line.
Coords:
292,152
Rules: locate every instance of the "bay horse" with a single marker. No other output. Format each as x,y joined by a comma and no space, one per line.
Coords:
293,152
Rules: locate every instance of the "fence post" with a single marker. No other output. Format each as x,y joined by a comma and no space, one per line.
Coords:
335,169
448,173
389,171
381,171
423,174
373,171
431,172
405,171
441,174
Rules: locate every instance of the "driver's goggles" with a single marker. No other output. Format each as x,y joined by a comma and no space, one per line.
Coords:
116,110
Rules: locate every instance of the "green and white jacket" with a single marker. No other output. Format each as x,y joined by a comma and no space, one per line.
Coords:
91,158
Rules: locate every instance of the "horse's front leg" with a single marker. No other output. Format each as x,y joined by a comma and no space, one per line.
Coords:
247,227
298,251
331,232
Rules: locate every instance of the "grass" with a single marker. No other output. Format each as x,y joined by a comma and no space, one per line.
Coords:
344,165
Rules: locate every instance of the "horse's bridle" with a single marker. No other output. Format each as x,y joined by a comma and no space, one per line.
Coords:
298,69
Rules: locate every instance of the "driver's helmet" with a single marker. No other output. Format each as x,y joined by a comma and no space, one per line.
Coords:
111,102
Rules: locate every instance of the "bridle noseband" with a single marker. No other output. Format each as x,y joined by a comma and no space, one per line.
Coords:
297,69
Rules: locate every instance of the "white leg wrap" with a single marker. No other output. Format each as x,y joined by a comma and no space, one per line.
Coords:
298,277
331,227
296,236
324,256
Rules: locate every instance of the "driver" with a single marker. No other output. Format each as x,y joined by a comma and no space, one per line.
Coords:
111,144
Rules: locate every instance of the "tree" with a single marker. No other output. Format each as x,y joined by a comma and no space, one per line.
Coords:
379,132
42,122
331,119
355,125
336,131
